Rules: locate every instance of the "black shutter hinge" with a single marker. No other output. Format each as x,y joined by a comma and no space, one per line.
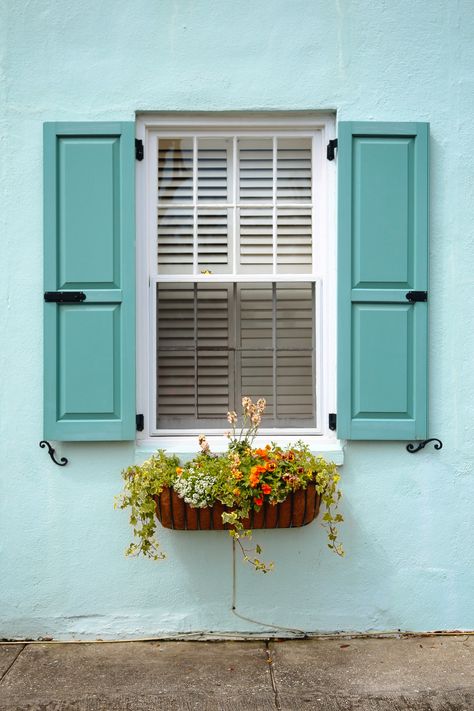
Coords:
414,296
140,423
64,297
139,153
332,421
330,152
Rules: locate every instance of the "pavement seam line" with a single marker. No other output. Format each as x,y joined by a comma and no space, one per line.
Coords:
3,676
276,695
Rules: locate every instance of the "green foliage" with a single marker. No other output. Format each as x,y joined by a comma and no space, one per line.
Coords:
142,483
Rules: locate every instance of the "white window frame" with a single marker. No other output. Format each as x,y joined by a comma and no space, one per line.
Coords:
322,127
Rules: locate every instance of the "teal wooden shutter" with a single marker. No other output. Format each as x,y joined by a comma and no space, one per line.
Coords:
89,229
382,255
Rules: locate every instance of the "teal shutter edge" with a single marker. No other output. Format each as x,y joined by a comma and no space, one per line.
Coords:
89,348
382,379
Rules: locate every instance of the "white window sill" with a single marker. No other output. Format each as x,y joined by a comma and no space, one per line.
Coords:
330,448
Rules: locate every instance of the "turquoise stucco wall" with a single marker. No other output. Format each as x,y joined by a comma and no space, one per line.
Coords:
408,533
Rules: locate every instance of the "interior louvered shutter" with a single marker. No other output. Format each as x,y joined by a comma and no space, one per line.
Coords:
278,174
195,362
383,256
89,247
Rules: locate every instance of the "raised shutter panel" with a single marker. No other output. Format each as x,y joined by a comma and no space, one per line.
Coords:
89,235
383,254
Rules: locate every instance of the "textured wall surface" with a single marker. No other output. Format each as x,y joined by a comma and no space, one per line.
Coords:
409,530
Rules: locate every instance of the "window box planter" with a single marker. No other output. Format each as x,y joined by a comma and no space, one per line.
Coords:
240,489
300,508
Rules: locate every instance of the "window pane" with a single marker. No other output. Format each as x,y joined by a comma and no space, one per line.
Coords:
255,170
213,355
176,363
218,342
295,345
213,168
214,240
257,343
175,240
294,240
256,240
194,358
294,170
277,350
175,170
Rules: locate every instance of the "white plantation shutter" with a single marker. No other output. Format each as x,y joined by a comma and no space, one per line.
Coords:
256,240
213,237
175,240
277,350
256,339
240,207
175,170
176,367
295,351
213,170
294,173
255,170
294,240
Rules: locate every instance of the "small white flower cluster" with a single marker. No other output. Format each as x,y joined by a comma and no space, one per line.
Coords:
196,489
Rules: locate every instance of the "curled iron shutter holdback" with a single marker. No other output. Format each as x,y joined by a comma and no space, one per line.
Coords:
421,445
51,451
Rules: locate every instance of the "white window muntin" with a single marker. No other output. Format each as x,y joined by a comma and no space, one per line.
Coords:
150,129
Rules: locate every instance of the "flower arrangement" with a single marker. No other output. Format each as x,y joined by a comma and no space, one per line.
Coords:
241,480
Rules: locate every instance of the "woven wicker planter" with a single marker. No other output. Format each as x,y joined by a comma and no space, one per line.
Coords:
299,509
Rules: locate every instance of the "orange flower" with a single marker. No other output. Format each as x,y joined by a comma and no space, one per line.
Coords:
271,466
254,479
237,474
261,453
258,500
236,492
179,471
268,447
290,456
266,488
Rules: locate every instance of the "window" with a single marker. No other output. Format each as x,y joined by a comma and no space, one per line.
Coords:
236,286
90,253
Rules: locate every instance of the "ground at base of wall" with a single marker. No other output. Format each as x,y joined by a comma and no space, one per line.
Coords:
417,673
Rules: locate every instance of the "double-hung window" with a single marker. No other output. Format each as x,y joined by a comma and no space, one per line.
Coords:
236,273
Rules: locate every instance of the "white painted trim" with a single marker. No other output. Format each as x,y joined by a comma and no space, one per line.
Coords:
331,449
321,126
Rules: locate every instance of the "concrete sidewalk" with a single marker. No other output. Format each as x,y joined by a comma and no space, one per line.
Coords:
419,673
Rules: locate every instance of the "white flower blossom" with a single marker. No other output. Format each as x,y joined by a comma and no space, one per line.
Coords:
196,489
